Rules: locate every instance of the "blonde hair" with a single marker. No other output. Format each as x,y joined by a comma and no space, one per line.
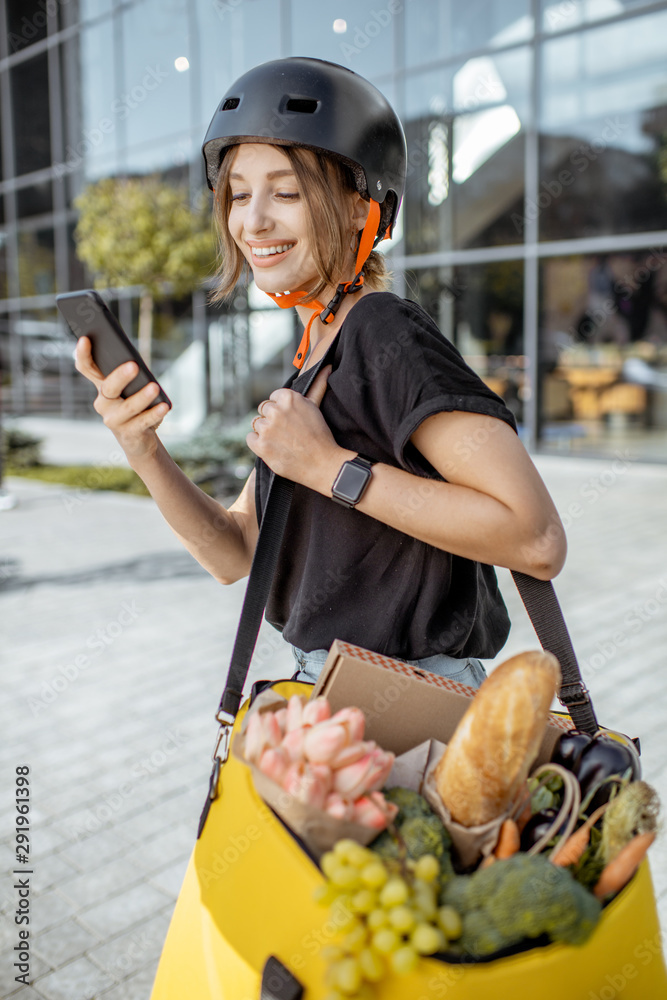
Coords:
325,184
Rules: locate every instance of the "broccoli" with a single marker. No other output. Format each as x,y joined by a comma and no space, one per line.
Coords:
416,829
521,897
409,803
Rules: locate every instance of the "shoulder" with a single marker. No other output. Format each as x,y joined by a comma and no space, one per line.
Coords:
386,324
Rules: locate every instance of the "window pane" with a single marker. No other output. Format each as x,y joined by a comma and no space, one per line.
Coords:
603,122
30,108
356,33
26,23
34,200
480,309
154,98
465,130
603,353
3,268
558,15
36,263
435,29
94,141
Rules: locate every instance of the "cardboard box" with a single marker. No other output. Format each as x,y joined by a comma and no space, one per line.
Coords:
404,706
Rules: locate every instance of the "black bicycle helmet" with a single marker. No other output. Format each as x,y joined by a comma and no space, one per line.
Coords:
325,107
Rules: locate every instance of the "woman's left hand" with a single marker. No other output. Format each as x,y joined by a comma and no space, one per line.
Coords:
292,437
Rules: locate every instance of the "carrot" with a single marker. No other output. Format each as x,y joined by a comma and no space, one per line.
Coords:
619,871
508,840
569,851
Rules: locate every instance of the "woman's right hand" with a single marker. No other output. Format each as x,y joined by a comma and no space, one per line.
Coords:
133,421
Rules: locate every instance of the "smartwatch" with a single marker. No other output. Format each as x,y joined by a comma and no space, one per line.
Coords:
351,481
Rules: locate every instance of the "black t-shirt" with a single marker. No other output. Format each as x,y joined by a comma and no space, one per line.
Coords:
344,575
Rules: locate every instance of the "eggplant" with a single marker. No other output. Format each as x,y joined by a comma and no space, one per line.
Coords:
603,757
569,748
539,824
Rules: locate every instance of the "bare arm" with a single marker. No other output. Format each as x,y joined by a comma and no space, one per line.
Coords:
222,540
493,508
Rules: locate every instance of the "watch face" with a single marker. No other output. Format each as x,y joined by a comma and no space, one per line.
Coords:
351,481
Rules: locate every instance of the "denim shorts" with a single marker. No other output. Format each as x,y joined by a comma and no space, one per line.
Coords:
466,671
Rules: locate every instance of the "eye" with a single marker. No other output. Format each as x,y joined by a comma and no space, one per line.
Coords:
288,195
239,196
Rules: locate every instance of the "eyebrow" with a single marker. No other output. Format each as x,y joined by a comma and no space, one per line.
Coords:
271,176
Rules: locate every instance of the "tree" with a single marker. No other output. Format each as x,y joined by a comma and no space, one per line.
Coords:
143,231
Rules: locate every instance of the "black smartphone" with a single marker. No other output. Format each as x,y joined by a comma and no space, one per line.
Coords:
87,315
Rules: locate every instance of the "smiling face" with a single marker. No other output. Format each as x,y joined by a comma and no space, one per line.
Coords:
267,219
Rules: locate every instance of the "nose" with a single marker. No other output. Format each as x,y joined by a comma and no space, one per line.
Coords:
257,217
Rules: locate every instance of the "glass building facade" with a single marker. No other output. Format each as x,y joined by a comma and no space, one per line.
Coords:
534,222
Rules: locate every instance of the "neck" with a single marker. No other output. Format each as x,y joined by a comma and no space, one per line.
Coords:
320,331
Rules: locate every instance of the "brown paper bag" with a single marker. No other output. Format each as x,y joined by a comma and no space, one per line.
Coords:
415,770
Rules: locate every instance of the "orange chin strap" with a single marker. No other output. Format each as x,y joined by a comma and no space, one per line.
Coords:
327,313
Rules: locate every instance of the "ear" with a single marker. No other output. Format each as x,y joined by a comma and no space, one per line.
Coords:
360,209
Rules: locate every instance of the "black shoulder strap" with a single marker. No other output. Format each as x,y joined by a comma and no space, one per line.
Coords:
262,570
544,611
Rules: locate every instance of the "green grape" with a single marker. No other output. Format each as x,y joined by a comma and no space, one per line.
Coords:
402,918
328,862
404,960
335,995
332,953
427,939
385,940
325,894
364,901
424,901
374,875
394,892
427,868
344,916
352,853
347,976
345,876
356,938
377,919
449,922
371,965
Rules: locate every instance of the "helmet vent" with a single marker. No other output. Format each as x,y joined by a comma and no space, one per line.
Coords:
302,105
231,103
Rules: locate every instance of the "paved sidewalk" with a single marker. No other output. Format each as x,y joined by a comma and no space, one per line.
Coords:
114,650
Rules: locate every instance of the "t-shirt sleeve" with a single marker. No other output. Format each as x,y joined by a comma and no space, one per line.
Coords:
404,370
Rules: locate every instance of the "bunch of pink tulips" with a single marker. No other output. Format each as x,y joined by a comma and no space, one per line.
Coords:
322,759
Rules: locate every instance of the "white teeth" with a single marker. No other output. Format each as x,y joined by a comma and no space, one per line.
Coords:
267,251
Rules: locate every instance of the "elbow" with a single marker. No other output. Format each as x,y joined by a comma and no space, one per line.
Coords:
545,555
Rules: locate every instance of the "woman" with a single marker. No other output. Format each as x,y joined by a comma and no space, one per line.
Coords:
308,163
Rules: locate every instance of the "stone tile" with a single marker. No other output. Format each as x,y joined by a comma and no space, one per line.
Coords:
64,942
78,980
94,848
120,913
136,987
51,871
99,883
129,952
49,908
170,879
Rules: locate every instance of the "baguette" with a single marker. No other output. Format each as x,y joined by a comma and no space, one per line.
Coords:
494,745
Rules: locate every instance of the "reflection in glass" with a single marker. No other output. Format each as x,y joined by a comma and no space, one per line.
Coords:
153,101
603,127
435,29
479,308
26,23
367,43
466,165
34,200
96,134
36,261
603,351
559,15
30,110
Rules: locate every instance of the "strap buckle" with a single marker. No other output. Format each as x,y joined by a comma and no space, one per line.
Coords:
570,700
221,752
